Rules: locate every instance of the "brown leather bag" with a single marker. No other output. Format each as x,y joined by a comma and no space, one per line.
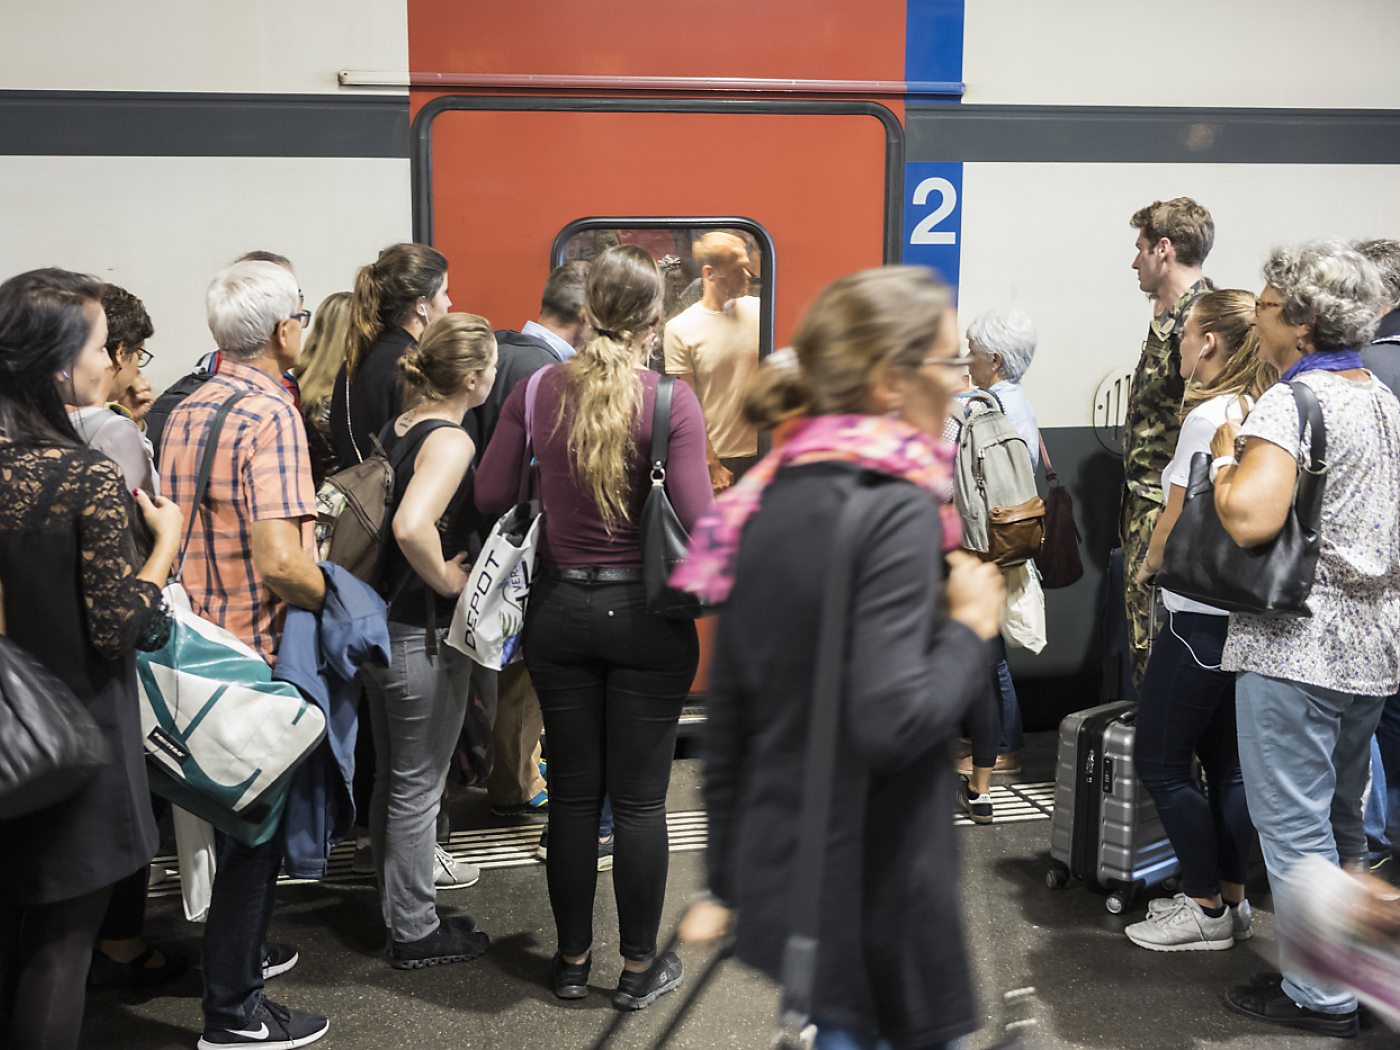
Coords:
1015,534
1058,560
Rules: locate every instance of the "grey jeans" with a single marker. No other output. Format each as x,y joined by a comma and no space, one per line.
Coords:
416,706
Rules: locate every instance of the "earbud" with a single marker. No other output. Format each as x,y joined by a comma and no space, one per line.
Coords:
66,375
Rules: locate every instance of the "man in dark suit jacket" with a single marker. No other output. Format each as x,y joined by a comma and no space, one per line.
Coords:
516,785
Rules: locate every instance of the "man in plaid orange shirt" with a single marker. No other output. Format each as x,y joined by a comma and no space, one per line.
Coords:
251,554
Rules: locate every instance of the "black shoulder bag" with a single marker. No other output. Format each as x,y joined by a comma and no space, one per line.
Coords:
664,538
1203,563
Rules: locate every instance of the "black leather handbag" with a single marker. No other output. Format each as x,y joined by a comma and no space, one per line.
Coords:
49,743
1203,563
664,538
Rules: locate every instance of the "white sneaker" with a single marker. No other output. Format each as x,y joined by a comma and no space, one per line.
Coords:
1181,926
451,873
1243,919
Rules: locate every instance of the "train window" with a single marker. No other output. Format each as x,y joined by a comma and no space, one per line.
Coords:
717,316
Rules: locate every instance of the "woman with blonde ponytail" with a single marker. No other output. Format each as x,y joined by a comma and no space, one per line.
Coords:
611,677
394,299
418,703
1187,703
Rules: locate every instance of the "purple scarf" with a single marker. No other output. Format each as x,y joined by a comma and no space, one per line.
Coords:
1325,361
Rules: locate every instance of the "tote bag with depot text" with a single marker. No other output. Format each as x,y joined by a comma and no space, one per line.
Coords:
491,610
222,738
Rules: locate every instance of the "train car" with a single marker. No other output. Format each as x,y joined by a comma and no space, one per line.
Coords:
1004,142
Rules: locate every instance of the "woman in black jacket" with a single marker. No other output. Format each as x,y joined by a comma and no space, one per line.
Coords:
868,381
395,298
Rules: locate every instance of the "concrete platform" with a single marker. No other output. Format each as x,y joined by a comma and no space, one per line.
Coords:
1097,989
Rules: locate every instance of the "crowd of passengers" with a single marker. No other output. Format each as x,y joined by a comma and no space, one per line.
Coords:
100,476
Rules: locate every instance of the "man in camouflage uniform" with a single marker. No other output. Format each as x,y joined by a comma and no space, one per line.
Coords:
1174,238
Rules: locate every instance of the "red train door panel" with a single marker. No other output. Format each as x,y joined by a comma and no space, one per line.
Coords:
503,184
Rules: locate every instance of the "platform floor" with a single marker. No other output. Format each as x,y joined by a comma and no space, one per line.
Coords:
1097,989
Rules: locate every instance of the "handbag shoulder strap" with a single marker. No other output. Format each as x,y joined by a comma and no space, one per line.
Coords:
819,775
206,468
661,424
1310,414
532,390
1050,474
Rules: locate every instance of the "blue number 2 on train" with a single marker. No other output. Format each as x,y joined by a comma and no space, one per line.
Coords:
933,217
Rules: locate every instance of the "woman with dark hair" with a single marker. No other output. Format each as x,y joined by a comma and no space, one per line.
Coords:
394,299
611,677
75,597
868,386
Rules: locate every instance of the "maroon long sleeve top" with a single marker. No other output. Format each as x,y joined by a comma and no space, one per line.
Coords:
573,530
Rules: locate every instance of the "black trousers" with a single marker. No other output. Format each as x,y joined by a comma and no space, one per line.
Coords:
611,679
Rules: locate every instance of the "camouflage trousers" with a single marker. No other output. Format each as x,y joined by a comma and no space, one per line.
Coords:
1138,519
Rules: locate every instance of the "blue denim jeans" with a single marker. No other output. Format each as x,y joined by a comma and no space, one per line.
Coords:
1383,813
1185,710
1305,751
1012,739
1378,805
240,909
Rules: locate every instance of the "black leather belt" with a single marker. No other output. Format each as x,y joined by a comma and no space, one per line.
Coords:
596,574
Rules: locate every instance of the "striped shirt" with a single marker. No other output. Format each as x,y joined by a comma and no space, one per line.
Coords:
261,471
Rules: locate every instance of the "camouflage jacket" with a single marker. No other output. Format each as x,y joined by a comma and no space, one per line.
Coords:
1153,420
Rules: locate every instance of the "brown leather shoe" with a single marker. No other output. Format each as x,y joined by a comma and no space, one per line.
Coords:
1009,763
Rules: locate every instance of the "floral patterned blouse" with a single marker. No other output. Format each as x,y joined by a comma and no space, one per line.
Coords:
1351,642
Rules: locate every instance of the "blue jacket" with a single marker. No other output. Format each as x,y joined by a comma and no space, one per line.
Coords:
319,654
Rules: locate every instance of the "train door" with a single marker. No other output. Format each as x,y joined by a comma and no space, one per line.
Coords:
504,184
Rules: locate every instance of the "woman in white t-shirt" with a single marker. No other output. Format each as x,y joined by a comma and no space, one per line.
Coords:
1187,703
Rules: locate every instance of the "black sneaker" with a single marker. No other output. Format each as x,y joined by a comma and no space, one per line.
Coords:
273,1027
455,940
636,990
979,807
570,979
278,959
1272,1005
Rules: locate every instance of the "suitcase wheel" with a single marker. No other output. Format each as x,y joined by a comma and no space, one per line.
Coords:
1057,877
1116,904
1172,884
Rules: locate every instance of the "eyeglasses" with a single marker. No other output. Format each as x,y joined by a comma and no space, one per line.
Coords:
145,357
304,316
961,361
1260,306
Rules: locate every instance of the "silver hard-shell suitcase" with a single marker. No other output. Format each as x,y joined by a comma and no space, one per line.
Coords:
1105,829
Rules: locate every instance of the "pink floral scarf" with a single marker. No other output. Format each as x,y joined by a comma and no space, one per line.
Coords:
878,443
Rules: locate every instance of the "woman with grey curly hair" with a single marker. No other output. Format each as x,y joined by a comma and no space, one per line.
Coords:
1310,690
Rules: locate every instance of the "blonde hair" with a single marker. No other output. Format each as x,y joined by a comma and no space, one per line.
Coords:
717,248
1227,313
452,348
385,293
323,352
864,322
622,301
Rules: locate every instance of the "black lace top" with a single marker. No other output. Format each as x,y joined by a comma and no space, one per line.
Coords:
68,568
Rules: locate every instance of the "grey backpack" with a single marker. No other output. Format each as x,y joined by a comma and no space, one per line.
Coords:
1003,516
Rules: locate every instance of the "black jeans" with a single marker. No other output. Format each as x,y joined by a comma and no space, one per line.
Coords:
1183,710
611,679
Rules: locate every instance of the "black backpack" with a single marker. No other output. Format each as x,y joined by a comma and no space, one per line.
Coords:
172,396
